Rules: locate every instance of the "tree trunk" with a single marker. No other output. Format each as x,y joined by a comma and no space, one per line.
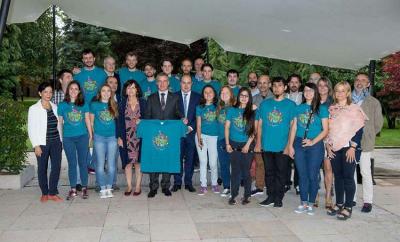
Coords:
391,122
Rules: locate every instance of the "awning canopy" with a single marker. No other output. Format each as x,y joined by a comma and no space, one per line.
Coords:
340,33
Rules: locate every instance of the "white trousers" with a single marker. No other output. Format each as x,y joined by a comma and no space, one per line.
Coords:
367,186
210,145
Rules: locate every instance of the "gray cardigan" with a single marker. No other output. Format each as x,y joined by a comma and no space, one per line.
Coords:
372,108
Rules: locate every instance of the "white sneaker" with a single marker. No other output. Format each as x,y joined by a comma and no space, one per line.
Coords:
301,209
225,192
311,210
103,194
109,193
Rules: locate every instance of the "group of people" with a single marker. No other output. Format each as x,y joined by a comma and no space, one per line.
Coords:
238,133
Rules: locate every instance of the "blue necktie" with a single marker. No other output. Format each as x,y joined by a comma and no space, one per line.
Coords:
185,105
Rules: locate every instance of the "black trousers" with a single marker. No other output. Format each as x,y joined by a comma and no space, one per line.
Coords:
240,169
276,166
291,166
343,172
53,150
155,183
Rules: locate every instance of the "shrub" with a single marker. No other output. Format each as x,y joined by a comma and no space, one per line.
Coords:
13,136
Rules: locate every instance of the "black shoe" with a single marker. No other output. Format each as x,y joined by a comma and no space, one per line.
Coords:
175,188
79,187
190,188
232,201
257,191
354,204
287,188
245,201
152,193
278,204
115,187
242,183
219,181
166,192
267,202
366,208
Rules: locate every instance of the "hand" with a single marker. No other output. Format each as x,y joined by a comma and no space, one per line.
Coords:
307,142
351,155
120,143
286,150
185,121
190,129
76,70
245,149
90,139
257,148
200,142
229,148
330,152
291,151
137,121
38,151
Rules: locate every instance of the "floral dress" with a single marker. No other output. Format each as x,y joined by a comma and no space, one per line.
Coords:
133,143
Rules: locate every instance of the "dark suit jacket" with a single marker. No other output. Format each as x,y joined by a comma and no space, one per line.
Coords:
171,111
121,127
191,113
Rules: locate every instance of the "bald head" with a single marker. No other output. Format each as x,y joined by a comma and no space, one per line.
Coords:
264,84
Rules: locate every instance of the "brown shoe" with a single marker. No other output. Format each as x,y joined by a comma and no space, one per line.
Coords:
44,198
55,198
85,193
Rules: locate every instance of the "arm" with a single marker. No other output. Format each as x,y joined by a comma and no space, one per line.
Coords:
354,144
287,148
226,132
378,118
148,110
88,126
258,136
320,136
292,135
198,132
31,132
91,118
61,124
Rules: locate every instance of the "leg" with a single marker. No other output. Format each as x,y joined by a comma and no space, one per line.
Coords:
203,162
112,147
235,175
43,162
55,156
301,166
349,183
70,148
315,154
138,177
270,173
154,181
245,169
82,156
260,172
178,176
189,159
365,166
337,168
224,161
213,158
128,176
165,181
328,180
281,164
100,149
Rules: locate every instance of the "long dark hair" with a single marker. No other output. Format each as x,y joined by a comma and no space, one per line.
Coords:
248,113
129,83
80,101
203,101
316,102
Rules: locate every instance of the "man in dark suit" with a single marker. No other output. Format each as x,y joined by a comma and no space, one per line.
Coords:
188,101
162,105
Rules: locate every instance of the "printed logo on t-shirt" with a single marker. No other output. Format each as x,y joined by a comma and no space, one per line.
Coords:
74,117
105,116
275,117
160,141
90,85
239,122
210,115
303,118
222,117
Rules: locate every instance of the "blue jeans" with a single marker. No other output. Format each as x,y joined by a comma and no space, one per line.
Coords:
224,162
105,146
76,151
308,163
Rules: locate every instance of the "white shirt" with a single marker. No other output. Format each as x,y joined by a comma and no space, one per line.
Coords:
296,97
165,97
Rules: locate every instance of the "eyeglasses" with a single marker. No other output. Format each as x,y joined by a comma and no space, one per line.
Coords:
246,96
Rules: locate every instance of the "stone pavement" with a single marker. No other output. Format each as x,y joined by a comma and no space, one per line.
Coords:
189,217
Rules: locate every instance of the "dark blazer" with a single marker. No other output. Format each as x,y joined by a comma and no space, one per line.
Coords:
171,111
191,113
121,127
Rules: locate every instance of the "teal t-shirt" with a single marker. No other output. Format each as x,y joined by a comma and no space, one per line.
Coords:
237,129
90,81
221,123
104,122
209,123
174,84
198,86
74,119
276,117
125,74
147,87
302,116
161,148
235,90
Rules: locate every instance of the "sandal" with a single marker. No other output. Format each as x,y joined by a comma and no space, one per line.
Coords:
332,211
344,213
316,203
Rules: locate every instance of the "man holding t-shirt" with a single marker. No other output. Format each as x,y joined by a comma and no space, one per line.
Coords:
162,105
275,117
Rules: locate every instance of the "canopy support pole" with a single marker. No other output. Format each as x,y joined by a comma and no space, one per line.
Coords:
5,6
54,56
371,75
